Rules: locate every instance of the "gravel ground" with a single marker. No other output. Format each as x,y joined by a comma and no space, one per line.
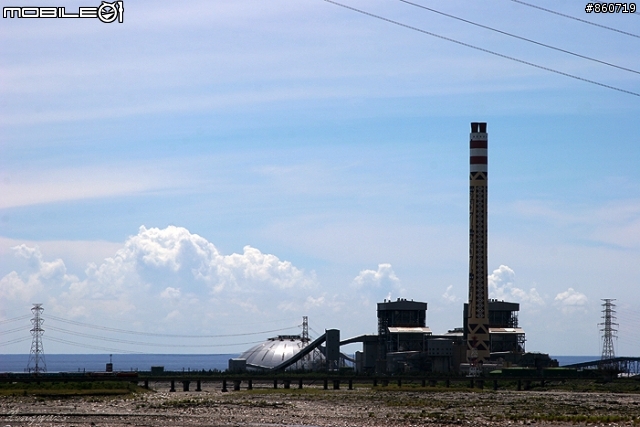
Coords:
315,407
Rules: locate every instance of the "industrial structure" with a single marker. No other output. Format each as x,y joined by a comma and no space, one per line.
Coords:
490,335
477,320
402,333
504,333
36,362
276,350
294,352
608,328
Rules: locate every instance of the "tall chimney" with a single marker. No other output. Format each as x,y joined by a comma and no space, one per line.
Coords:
478,345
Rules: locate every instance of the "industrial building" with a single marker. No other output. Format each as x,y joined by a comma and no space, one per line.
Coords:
490,335
294,352
276,350
504,333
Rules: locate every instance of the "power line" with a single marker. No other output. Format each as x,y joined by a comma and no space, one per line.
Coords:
15,341
21,328
85,345
122,341
531,64
576,19
124,331
26,316
519,37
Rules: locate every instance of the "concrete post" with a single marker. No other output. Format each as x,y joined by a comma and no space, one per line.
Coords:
173,386
236,385
199,385
185,385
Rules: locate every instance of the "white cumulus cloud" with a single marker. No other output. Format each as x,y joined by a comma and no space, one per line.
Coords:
571,300
169,274
502,287
375,285
384,278
38,275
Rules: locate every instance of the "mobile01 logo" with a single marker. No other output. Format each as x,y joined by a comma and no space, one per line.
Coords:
106,12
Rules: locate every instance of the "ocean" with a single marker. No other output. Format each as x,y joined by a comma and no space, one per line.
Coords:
144,362
570,360
121,362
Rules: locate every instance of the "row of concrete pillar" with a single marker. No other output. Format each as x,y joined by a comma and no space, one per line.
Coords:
236,384
335,384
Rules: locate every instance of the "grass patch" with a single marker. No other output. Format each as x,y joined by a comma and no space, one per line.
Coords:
68,389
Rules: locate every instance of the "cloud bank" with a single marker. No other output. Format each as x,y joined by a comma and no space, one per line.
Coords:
161,275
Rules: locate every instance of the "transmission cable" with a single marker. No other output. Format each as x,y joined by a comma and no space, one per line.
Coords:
85,345
26,316
531,64
119,340
21,328
124,331
14,341
577,19
519,37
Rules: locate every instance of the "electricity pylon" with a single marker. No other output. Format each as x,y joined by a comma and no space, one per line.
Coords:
609,330
37,363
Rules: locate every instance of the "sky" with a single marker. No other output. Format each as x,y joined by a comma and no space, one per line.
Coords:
201,176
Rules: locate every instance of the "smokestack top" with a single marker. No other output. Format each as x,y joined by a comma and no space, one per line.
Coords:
478,153
478,127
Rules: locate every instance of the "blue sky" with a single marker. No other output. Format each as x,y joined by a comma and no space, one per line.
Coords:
212,168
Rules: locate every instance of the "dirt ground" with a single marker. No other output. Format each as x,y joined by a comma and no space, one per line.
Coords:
312,406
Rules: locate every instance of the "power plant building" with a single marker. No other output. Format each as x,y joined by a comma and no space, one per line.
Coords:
490,334
276,350
504,333
402,331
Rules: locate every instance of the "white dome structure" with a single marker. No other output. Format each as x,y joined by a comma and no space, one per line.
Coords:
277,350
